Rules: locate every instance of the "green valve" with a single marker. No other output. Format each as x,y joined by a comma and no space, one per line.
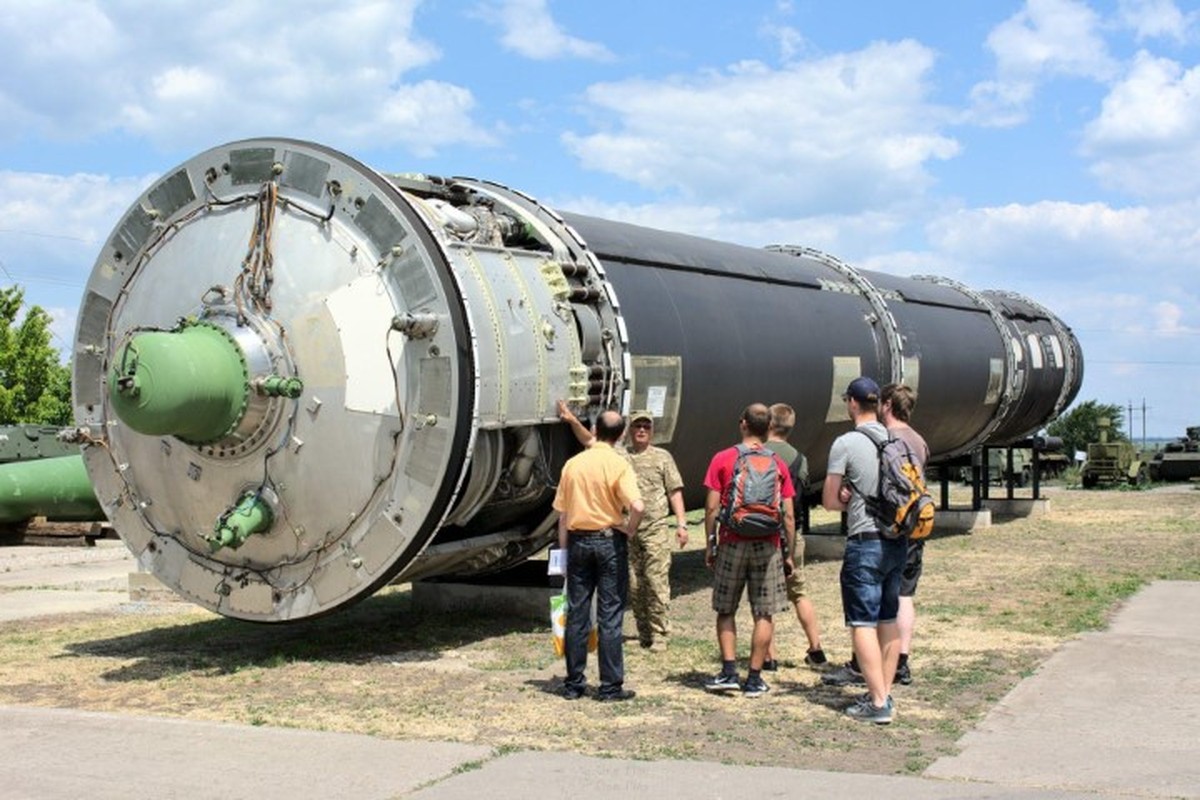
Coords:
279,386
250,516
190,383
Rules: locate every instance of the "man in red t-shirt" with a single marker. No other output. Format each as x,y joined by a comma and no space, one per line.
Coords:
739,562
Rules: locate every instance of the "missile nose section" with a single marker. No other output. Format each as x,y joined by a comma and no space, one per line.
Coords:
265,437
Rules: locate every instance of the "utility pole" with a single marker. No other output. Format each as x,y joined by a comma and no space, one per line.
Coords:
1143,424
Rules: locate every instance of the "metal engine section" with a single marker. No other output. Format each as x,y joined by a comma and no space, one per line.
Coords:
298,379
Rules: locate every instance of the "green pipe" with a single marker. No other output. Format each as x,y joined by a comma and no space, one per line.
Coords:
250,516
55,488
190,383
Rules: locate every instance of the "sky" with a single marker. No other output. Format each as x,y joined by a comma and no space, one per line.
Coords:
1045,147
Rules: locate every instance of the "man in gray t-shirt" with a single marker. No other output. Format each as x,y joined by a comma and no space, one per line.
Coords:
872,564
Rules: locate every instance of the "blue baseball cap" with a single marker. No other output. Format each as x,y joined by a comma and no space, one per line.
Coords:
862,389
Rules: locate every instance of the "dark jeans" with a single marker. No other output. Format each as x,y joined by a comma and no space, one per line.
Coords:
597,565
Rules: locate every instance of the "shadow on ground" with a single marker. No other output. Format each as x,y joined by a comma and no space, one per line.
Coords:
383,624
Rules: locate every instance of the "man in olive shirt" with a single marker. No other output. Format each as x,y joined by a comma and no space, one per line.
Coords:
594,491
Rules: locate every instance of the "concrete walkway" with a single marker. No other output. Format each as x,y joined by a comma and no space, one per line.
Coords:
60,580
1111,714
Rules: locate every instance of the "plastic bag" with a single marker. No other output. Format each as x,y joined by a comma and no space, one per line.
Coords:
558,625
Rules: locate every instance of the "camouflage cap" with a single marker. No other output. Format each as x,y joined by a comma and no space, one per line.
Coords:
640,415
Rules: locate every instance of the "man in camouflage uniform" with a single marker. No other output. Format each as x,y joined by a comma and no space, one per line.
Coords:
661,488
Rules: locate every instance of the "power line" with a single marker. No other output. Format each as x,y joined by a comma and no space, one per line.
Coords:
1146,363
1138,332
43,279
40,235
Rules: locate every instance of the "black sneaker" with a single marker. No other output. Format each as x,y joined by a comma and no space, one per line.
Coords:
770,665
722,682
573,692
845,675
616,697
755,687
903,675
816,658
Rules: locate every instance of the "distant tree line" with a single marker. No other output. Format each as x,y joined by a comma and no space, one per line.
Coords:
34,386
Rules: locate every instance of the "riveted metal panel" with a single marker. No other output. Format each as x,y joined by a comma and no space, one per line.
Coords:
428,450
134,231
434,397
657,388
380,225
304,173
172,194
251,165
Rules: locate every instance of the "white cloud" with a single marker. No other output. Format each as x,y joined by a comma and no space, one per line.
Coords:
51,231
791,42
528,29
1051,37
191,74
1146,138
835,135
1046,39
1078,246
71,207
1006,231
1155,19
846,237
1170,319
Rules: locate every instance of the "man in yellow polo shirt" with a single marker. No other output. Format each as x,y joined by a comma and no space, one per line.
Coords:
596,488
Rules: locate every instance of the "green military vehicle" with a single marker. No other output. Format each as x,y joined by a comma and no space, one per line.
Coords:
1113,462
1178,460
998,469
31,442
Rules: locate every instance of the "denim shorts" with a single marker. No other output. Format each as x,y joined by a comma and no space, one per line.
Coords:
870,579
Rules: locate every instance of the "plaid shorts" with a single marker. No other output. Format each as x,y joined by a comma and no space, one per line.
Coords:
756,564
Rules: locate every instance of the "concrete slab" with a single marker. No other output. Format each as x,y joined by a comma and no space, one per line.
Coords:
30,603
104,566
1111,712
520,776
57,754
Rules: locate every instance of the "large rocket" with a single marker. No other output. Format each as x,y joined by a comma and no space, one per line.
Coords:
298,379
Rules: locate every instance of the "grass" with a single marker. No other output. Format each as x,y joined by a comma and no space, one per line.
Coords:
993,605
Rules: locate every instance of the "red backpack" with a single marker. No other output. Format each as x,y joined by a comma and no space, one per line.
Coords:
751,506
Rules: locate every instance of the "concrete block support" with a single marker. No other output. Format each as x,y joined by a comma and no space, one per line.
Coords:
529,602
961,520
1017,507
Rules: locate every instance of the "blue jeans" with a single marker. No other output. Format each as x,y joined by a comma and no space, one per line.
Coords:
871,572
597,565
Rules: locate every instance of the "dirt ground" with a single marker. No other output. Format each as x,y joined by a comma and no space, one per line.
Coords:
992,606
